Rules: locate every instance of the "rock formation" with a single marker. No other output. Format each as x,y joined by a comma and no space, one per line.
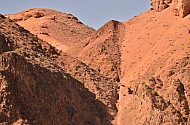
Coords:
179,7
135,72
160,5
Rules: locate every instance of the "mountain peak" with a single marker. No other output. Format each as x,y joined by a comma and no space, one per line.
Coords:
50,25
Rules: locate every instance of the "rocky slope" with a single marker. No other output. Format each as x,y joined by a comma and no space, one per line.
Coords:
148,55
154,67
66,32
106,90
59,29
102,49
34,89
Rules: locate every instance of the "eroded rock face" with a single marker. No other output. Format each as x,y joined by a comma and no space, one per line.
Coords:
25,94
179,7
35,90
105,89
165,98
160,5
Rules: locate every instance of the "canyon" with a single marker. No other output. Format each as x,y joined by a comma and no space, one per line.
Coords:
57,70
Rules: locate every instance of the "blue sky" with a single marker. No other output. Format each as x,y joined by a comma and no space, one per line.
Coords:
94,13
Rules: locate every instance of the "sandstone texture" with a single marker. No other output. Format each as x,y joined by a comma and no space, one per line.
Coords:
179,7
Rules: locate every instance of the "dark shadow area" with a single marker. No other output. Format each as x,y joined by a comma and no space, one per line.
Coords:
41,96
6,44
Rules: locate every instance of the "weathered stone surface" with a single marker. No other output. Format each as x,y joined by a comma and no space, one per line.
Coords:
160,5
179,7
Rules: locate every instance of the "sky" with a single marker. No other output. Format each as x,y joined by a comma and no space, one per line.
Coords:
94,13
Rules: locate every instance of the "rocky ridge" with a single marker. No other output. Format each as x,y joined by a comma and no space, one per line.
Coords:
152,65
36,90
101,50
61,30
